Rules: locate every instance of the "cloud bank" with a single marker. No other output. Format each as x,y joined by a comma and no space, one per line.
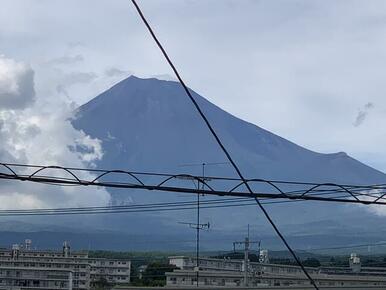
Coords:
65,60
16,84
116,72
35,132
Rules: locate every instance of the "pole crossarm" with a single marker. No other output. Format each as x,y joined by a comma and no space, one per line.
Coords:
196,226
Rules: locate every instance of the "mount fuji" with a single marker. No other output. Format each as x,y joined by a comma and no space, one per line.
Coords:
150,125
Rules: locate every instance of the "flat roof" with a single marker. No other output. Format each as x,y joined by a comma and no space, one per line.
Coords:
319,277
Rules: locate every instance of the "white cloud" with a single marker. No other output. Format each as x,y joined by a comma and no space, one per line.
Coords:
75,78
20,200
165,77
16,84
79,78
66,60
41,133
373,194
117,72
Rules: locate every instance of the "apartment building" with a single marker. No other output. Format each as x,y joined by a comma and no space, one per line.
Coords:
213,264
185,278
113,270
231,273
24,268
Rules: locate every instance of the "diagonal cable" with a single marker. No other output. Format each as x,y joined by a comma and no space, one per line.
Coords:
220,143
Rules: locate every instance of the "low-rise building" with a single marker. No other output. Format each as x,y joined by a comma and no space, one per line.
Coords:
187,278
113,270
213,264
23,268
231,273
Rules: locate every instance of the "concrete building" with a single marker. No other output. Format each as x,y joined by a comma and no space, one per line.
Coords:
230,273
212,264
24,268
235,279
114,271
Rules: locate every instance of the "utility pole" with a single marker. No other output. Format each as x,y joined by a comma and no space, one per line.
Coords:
246,243
198,226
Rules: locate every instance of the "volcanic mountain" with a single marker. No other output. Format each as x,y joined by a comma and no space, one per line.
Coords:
151,125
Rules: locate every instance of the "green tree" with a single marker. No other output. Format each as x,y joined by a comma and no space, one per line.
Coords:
154,275
102,284
311,262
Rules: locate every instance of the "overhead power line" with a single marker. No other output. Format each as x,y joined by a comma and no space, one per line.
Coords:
151,207
182,183
139,208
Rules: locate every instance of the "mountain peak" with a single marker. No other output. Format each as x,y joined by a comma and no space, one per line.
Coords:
151,124
135,79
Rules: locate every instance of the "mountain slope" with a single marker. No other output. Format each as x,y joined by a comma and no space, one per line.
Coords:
150,125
